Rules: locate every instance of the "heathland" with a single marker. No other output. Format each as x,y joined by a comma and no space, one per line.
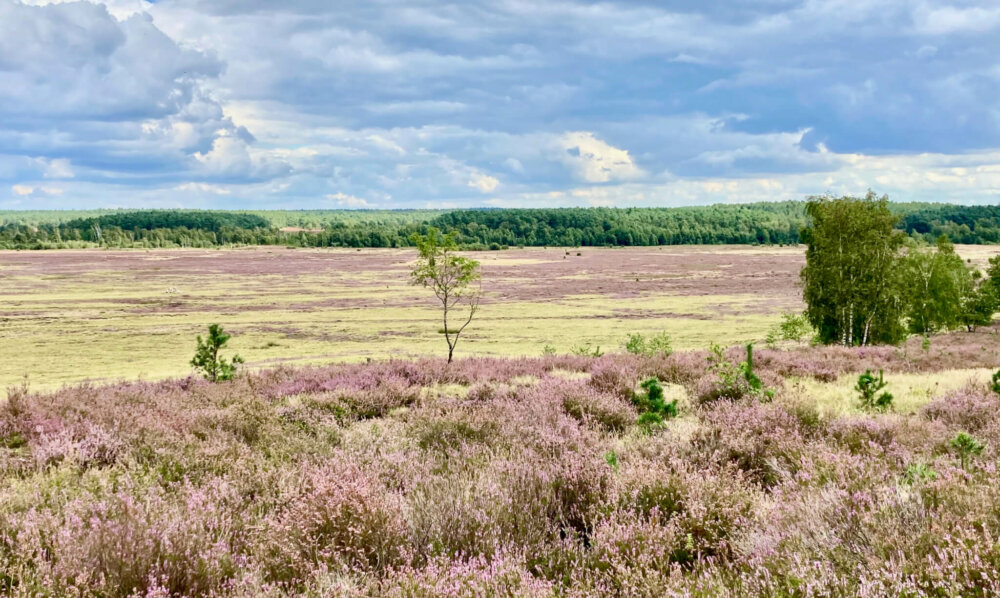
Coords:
69,316
640,421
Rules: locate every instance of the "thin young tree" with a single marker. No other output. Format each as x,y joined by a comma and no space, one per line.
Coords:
452,277
207,359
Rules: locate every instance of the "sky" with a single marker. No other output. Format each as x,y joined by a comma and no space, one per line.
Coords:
331,104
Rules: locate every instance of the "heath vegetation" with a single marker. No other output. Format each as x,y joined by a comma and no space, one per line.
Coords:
798,469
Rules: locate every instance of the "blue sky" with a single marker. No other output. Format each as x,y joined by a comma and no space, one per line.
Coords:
524,103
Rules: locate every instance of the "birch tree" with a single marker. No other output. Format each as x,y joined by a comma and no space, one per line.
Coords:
851,281
453,279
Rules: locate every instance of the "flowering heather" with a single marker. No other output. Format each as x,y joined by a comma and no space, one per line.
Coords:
503,477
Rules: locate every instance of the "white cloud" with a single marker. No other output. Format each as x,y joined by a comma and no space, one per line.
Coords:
29,190
349,201
59,168
203,188
232,157
483,182
594,161
943,20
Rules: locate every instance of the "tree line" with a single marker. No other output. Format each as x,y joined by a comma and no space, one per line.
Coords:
745,224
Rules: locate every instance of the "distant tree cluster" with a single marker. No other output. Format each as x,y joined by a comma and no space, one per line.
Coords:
866,282
760,223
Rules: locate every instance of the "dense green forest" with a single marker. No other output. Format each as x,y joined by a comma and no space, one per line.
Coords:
759,223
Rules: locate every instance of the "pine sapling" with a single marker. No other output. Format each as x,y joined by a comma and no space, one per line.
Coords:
868,388
207,359
966,446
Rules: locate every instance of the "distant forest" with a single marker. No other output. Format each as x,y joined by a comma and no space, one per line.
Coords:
744,224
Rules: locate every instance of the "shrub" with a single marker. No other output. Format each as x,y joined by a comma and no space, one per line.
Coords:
732,381
919,473
793,327
867,387
613,379
207,359
969,409
653,409
966,446
342,518
586,404
763,440
995,382
587,351
656,345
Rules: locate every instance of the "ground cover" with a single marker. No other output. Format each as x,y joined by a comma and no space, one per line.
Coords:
513,477
67,316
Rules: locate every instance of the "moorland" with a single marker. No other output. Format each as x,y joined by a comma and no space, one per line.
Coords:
623,421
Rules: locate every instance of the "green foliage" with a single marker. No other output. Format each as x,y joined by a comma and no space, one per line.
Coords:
611,458
548,350
793,327
749,224
851,279
735,381
868,388
450,277
966,446
919,472
653,408
995,383
658,344
207,359
993,275
936,283
587,351
979,301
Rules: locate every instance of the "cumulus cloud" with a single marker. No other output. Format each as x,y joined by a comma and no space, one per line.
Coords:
349,201
203,188
23,190
594,161
170,103
231,157
77,61
483,182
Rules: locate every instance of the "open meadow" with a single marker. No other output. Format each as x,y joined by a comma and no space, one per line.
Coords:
67,316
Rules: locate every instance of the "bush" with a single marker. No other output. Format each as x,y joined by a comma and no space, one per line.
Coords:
653,409
586,404
657,345
867,387
343,518
587,351
732,381
966,446
793,327
970,409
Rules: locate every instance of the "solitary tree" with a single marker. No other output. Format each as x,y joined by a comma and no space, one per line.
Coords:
207,358
452,279
850,281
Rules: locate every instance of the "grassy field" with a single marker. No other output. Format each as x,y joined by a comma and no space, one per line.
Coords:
70,316
75,315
